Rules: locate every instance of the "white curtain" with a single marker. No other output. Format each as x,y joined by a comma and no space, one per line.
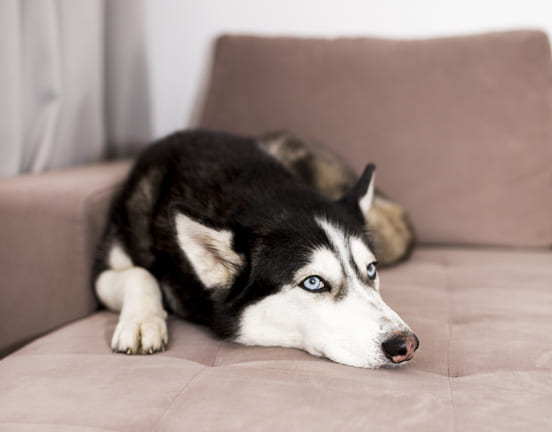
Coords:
73,82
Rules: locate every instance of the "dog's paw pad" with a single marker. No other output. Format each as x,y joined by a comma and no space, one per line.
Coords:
140,335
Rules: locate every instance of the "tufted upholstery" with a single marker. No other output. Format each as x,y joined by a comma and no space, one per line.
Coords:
485,363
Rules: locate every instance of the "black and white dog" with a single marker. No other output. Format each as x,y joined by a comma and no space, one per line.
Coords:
230,232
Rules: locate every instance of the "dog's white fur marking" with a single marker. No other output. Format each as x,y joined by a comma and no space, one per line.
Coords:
135,293
366,201
323,263
349,330
209,251
338,240
118,259
362,256
346,248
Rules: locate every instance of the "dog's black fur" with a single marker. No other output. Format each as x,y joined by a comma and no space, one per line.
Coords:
225,182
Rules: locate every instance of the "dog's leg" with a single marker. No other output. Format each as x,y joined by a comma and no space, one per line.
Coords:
142,327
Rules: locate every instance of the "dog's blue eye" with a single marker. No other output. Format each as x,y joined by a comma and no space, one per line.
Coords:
313,283
371,270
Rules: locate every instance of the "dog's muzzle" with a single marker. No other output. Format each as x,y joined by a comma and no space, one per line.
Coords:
401,347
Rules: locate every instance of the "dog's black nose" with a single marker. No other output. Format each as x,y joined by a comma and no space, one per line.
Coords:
401,347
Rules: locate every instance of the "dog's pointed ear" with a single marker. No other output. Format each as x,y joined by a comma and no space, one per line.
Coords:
209,250
361,196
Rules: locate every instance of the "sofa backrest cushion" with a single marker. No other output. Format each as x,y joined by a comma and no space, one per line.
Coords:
459,127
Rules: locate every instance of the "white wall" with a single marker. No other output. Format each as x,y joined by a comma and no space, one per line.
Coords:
181,32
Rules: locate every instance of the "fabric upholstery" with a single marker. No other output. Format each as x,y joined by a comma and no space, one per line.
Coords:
49,226
459,128
485,363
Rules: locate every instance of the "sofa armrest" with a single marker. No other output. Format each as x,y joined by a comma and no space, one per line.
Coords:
49,226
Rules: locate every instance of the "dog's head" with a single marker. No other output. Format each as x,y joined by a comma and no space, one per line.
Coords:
304,276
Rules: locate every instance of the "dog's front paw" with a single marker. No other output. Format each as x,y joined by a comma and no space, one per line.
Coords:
144,334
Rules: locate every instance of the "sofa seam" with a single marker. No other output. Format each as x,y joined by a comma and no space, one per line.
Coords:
215,360
177,396
446,266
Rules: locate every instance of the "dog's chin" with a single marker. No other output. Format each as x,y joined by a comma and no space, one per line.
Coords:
379,362
384,364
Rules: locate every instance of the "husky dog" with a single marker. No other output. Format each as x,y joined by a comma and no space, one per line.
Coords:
229,232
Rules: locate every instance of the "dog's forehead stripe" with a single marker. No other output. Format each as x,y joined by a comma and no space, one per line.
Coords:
361,254
326,263
336,238
353,252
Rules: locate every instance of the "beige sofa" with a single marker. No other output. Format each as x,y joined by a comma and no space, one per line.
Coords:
461,132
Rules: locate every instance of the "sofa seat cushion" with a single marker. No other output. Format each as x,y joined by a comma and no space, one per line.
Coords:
485,363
